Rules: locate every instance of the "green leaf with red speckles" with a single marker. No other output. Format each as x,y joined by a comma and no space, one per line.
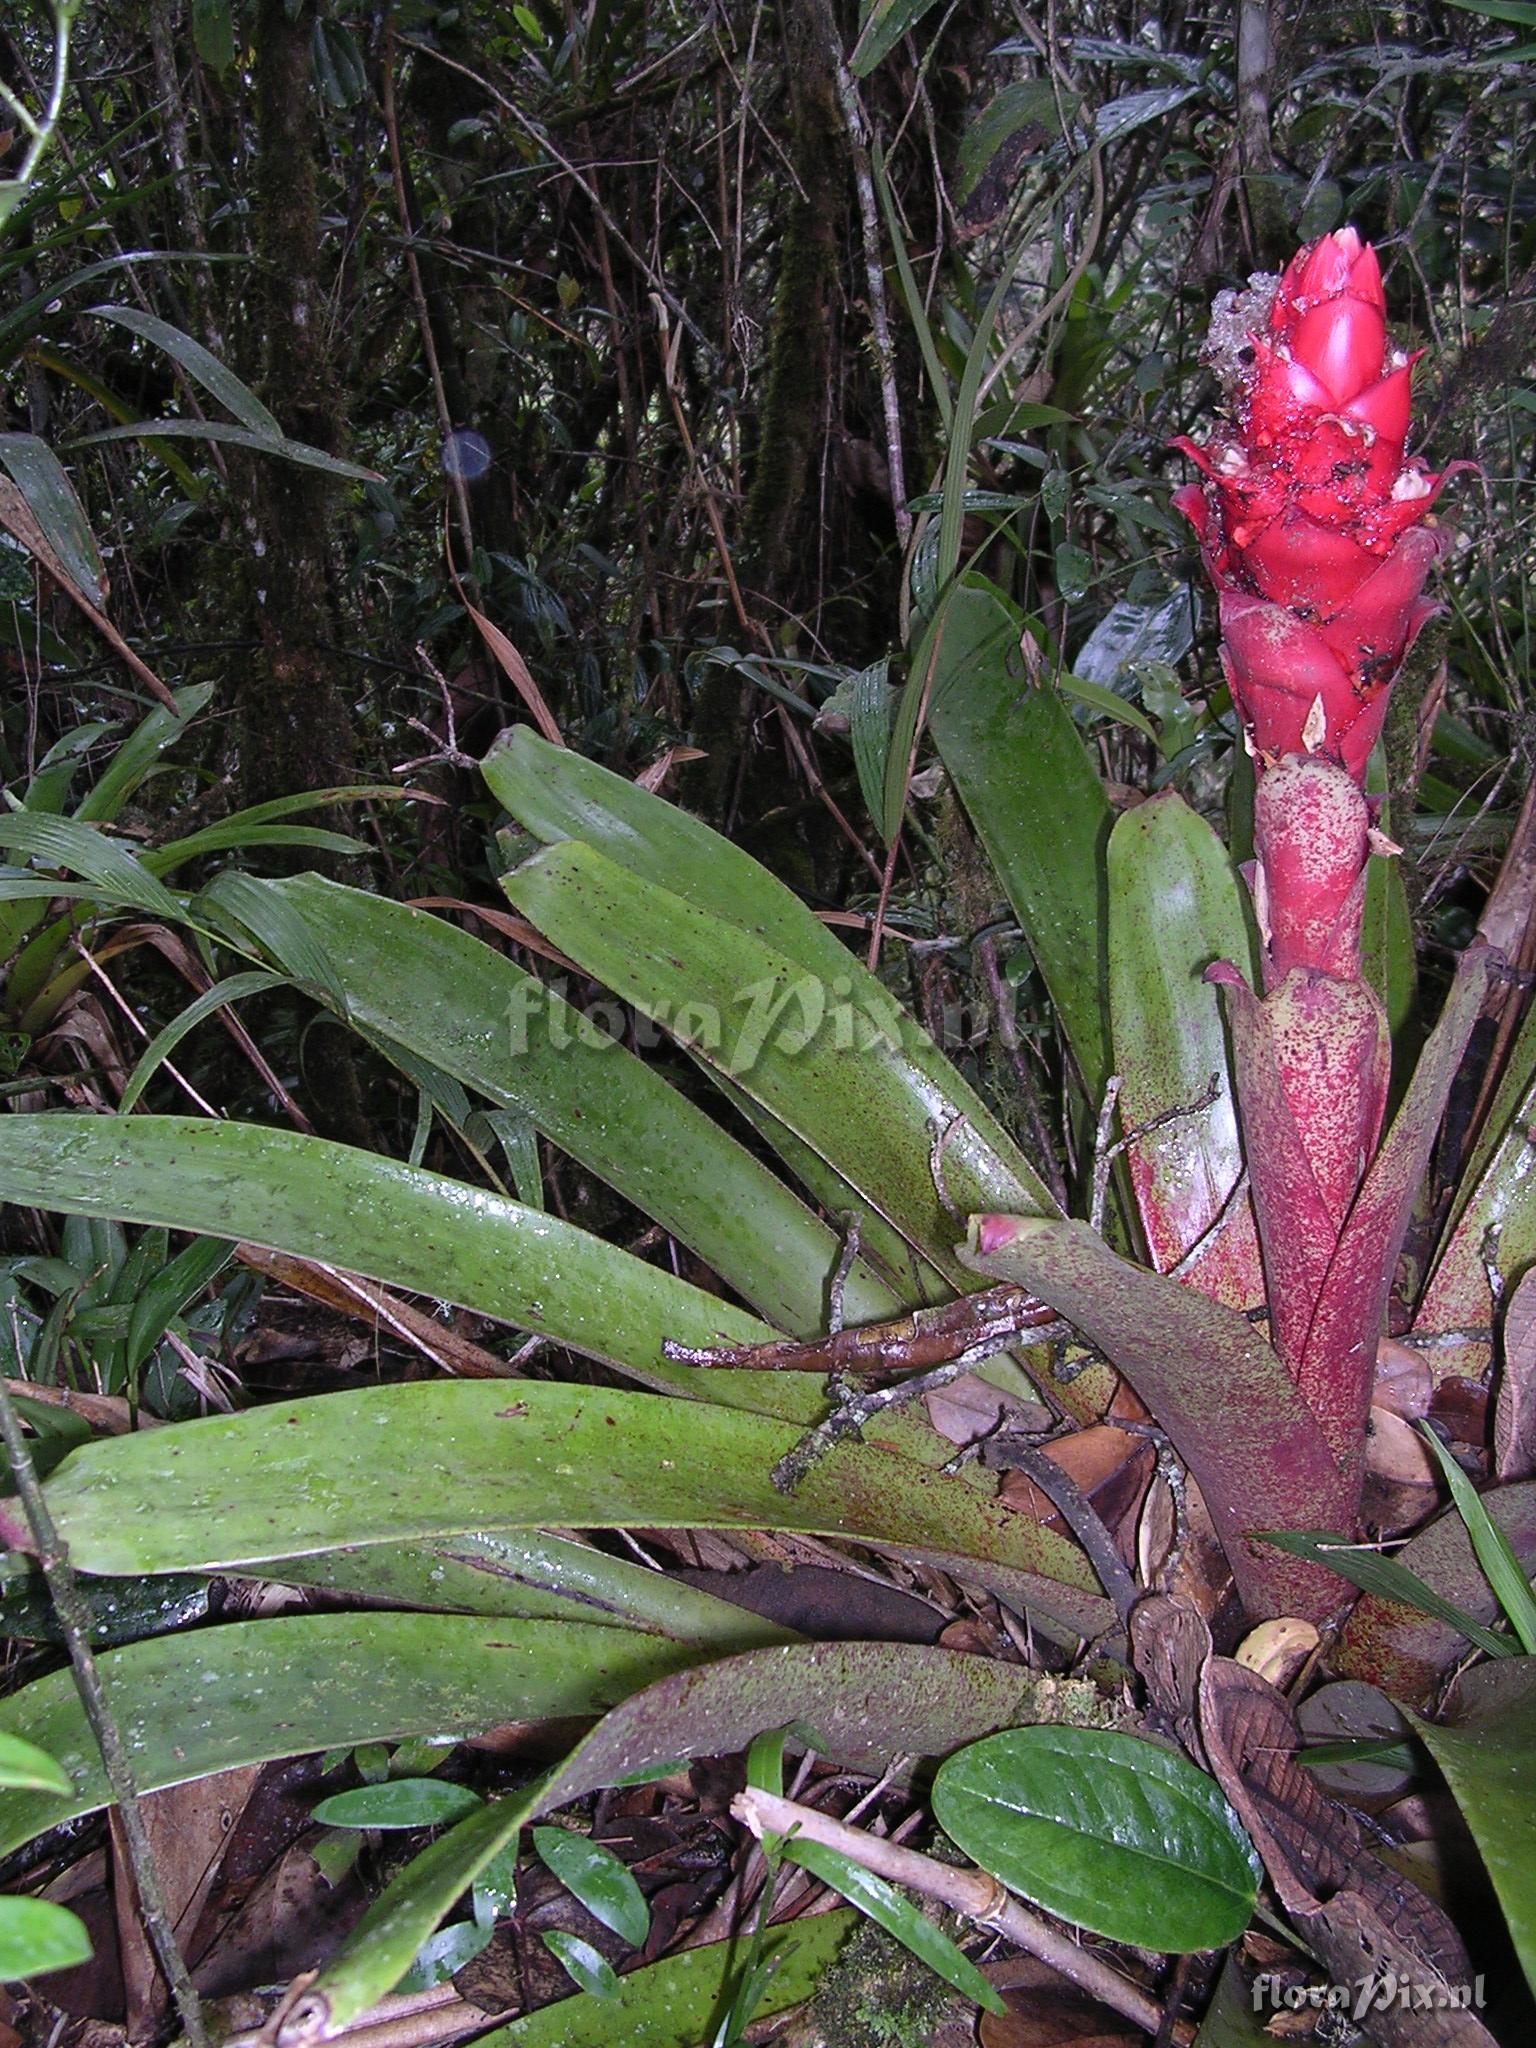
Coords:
1175,906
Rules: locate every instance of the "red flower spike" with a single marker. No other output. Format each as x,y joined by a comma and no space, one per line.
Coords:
1316,530
1309,508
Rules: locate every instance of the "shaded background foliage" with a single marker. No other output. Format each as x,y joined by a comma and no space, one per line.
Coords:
588,289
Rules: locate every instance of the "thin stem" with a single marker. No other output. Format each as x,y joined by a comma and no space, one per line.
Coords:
74,1622
874,267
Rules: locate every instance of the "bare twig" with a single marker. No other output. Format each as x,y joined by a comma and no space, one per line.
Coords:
540,135
1075,1509
418,290
874,265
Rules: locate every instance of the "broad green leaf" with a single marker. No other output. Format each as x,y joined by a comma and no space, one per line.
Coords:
238,437
673,2004
1133,110
191,1704
420,982
1031,103
1130,634
857,1702
24,1767
398,1803
1489,1760
586,1968
36,1936
1108,1831
1229,1406
596,1877
325,1473
41,479
445,1953
1175,906
901,1269
840,1064
557,795
1018,763
213,33
895,1912
200,365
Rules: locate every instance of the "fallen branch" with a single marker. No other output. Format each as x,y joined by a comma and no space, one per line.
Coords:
968,1892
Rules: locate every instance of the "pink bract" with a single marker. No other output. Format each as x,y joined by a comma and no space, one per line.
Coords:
1316,528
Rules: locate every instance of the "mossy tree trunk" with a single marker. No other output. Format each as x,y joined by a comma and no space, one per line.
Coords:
293,727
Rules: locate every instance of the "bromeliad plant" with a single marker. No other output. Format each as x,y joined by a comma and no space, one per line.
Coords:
1276,1194
1317,530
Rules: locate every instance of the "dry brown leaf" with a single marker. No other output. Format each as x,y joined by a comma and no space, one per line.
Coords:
1360,1919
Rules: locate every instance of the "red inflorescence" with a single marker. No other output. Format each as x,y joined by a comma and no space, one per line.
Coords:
1311,518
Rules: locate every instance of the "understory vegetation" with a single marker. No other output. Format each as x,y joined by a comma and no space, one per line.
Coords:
742,1294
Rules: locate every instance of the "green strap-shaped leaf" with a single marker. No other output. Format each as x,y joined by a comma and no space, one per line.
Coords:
204,368
42,480
839,1063
427,1460
680,1998
193,1704
882,26
557,795
899,1916
428,986
99,859
1394,1645
1175,905
396,1224
1018,763
158,729
238,437
545,1578
1493,1221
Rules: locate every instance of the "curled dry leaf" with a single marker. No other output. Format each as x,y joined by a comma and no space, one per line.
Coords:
1360,1919
1404,1382
1170,1645
1277,1649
